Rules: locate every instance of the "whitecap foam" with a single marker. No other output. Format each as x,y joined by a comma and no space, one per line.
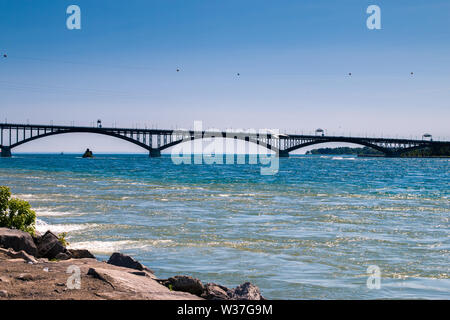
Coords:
42,227
26,196
223,195
44,212
108,247
342,158
102,246
35,197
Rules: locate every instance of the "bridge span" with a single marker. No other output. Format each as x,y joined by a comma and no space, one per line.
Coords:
157,140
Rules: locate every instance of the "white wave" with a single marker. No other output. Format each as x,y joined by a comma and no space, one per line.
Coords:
37,197
32,197
26,196
108,247
42,212
342,158
42,227
102,246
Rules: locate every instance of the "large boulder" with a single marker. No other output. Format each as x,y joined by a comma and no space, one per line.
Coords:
121,260
127,286
63,256
216,292
17,240
49,246
246,291
80,254
185,284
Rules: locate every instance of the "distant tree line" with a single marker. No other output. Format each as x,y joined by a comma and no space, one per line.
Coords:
435,151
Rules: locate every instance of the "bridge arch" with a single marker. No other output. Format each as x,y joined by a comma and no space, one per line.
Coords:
82,130
237,137
343,140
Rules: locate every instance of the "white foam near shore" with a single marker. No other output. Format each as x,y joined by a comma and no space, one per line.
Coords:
45,212
102,246
108,247
42,227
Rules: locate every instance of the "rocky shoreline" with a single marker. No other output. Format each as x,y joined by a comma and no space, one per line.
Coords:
41,267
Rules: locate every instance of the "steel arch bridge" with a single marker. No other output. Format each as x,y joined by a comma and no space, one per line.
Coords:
157,140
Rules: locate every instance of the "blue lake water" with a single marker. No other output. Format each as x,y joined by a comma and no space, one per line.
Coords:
310,231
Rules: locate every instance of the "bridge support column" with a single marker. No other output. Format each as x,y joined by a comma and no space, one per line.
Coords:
6,152
283,154
155,153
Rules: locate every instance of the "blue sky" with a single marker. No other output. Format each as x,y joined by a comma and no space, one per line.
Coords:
293,58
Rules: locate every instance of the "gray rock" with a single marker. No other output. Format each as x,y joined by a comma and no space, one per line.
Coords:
25,277
3,294
19,255
216,292
121,260
88,154
246,291
185,284
49,246
17,240
37,236
62,256
130,286
80,254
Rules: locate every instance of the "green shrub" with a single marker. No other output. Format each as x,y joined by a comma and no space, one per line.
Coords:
62,239
16,213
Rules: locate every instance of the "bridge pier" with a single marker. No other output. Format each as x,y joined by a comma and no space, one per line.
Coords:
6,152
283,154
155,153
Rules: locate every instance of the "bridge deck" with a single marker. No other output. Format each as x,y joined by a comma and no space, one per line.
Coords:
156,140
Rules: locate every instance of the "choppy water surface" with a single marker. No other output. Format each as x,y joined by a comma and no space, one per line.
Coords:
311,231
